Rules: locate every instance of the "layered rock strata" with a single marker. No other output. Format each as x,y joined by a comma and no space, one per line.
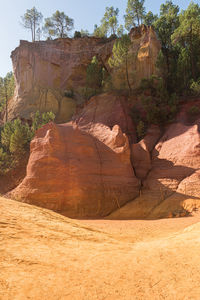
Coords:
51,75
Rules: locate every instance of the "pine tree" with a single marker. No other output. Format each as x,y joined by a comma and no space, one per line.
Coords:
31,20
121,55
135,12
59,25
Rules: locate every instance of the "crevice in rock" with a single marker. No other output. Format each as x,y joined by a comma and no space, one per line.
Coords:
100,160
129,137
151,153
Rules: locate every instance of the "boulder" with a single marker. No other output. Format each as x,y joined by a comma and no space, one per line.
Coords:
75,173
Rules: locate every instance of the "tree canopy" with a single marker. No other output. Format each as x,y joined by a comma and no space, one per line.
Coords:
121,55
7,86
32,20
109,23
58,25
135,12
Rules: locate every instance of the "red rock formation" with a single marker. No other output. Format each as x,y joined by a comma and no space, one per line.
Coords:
73,172
141,152
83,168
176,156
172,185
109,110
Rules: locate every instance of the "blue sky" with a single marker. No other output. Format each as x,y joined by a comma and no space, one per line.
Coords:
85,13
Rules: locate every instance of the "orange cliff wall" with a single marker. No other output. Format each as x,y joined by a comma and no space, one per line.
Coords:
45,70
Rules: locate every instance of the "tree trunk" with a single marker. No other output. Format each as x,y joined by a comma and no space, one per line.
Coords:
138,20
32,32
6,97
192,56
6,108
34,29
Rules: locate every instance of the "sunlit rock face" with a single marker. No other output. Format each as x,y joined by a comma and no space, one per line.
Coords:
83,168
51,75
141,59
48,72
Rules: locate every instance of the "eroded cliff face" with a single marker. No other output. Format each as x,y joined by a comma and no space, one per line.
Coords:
93,167
46,72
141,58
168,164
83,169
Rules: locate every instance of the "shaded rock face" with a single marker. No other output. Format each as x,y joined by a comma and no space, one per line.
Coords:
141,152
169,174
82,168
109,110
176,156
47,71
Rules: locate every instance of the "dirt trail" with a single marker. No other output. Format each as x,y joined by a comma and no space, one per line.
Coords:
46,256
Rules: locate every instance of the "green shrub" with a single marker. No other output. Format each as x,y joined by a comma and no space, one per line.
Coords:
69,94
38,120
20,139
135,115
194,110
15,137
140,129
195,87
87,92
5,161
77,34
94,76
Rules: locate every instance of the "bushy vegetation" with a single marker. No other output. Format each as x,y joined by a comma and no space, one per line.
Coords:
156,105
15,137
7,86
194,110
179,60
140,129
96,78
121,59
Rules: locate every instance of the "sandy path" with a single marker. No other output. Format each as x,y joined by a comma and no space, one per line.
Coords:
142,230
46,256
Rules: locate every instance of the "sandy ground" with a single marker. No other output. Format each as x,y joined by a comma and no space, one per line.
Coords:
44,255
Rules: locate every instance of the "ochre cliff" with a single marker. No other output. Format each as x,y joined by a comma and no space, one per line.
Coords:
47,71
141,59
51,75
